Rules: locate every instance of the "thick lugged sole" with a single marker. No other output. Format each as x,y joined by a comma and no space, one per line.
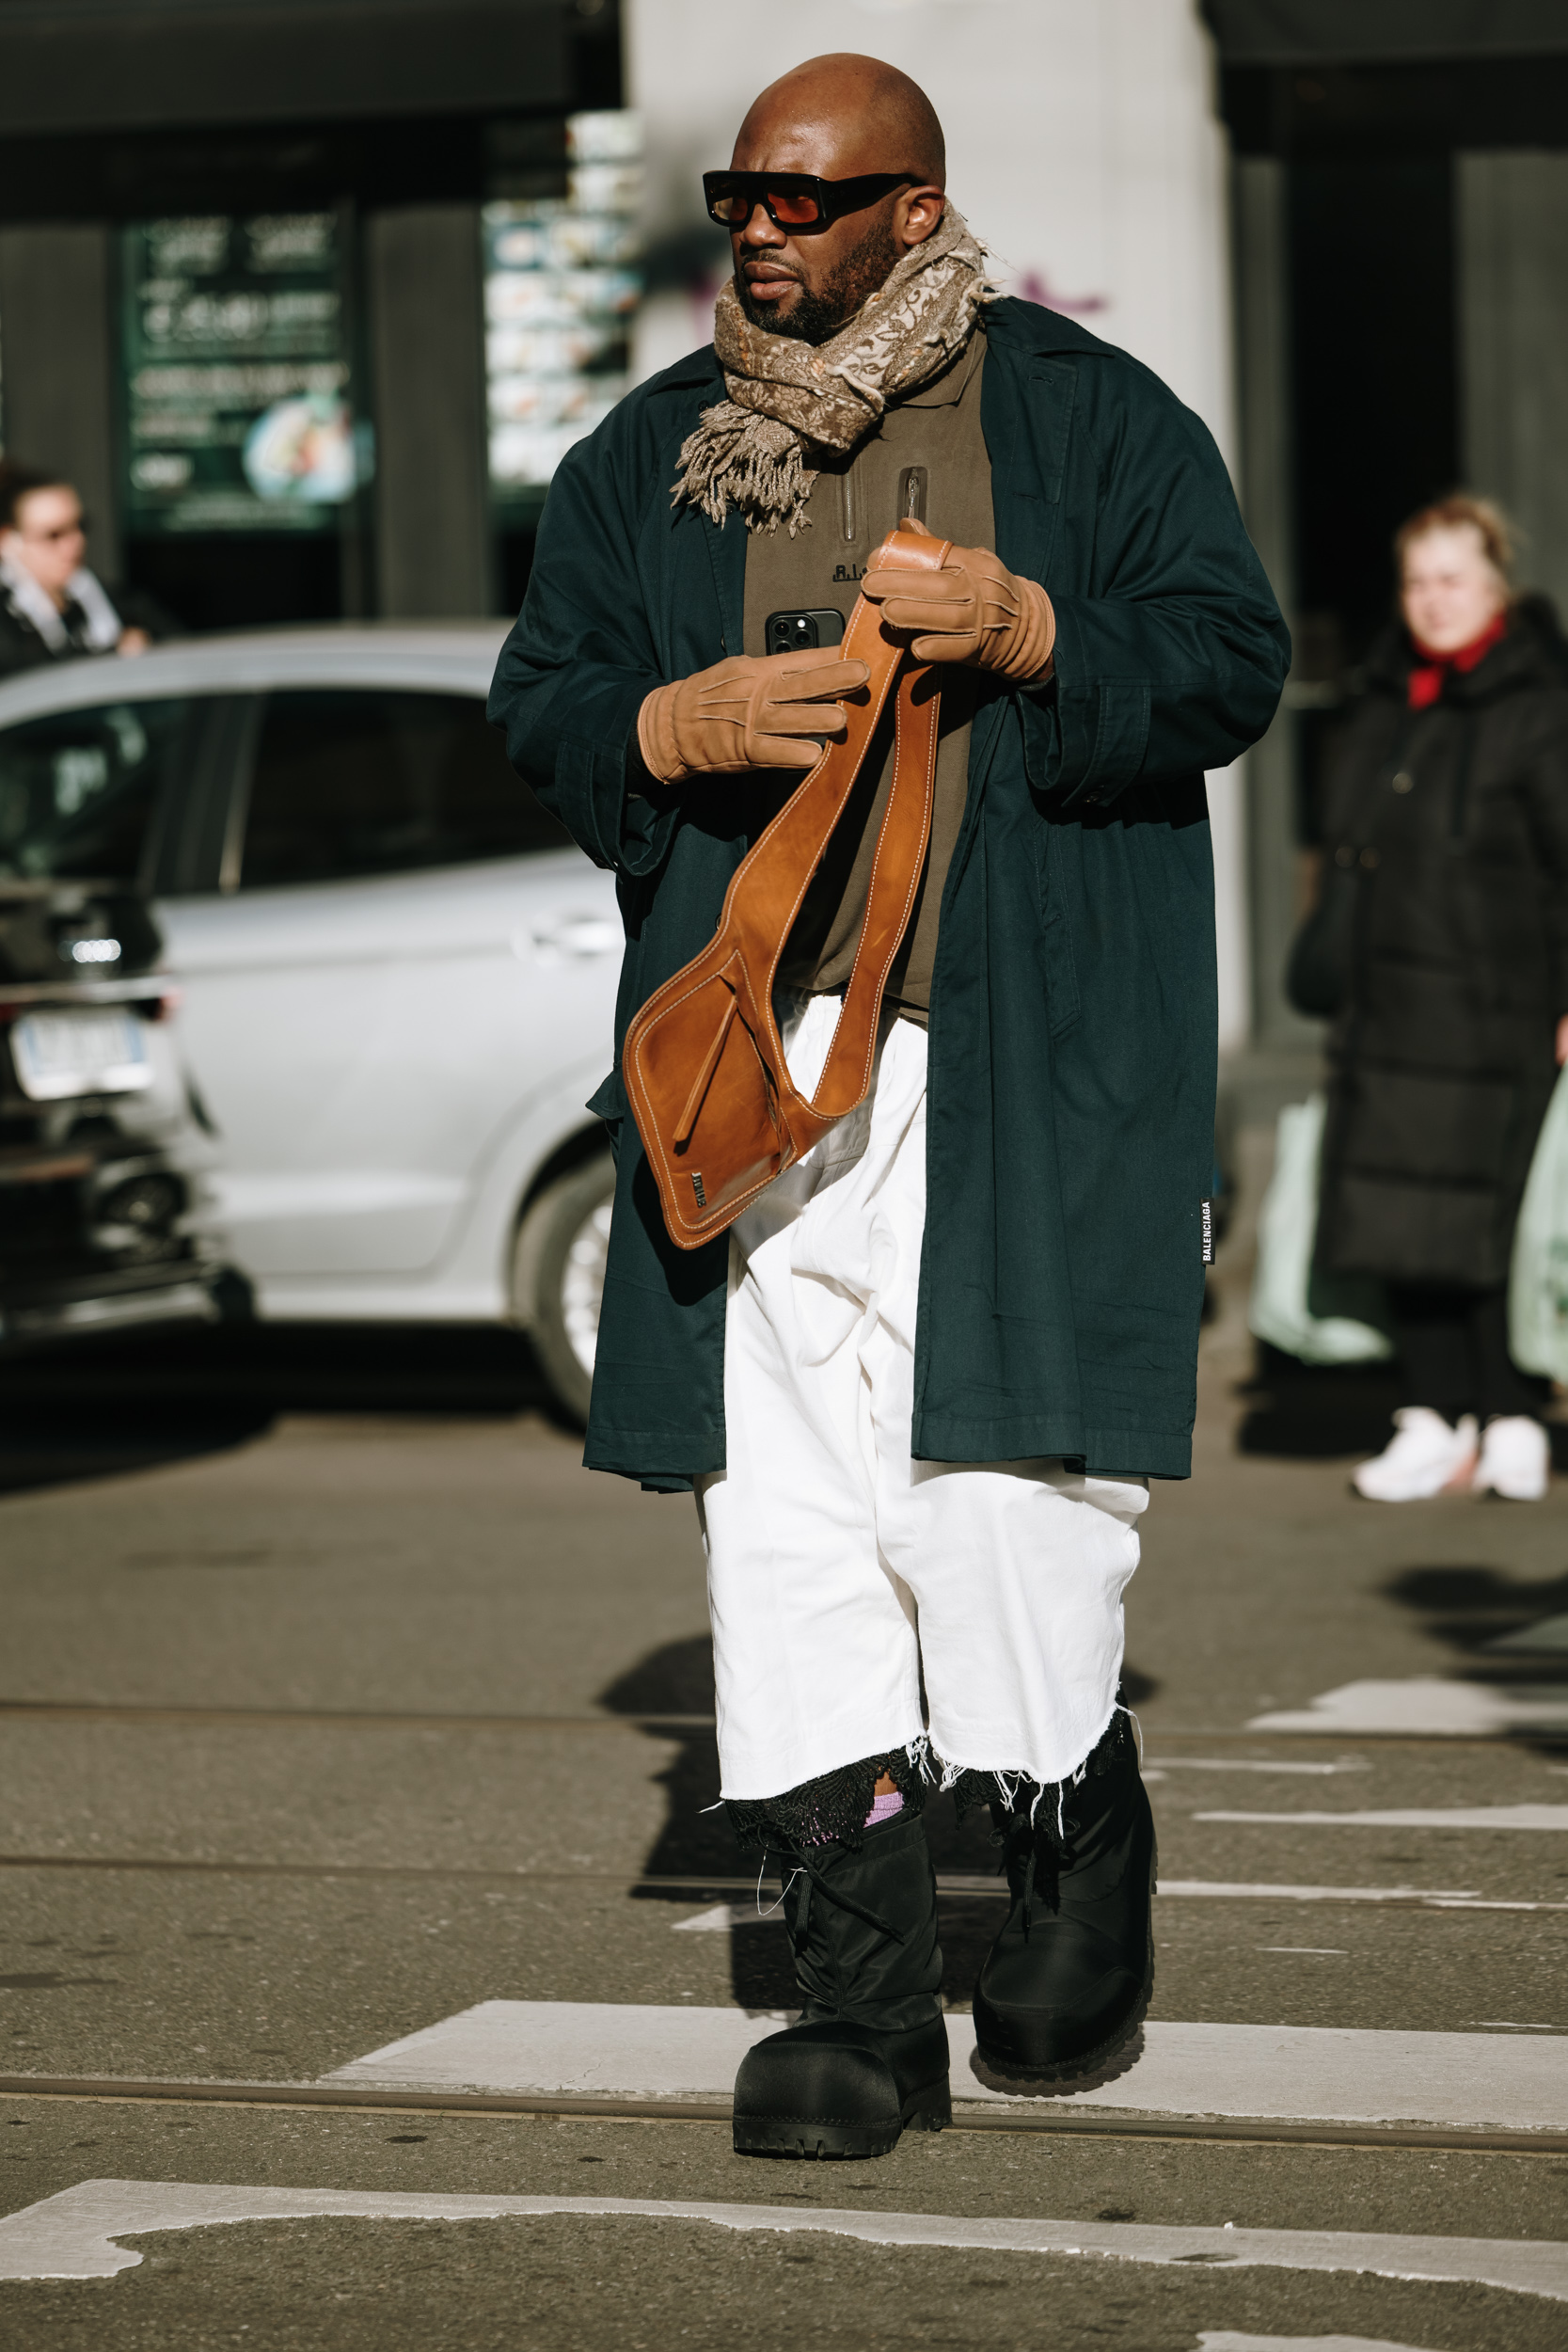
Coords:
825,2138
1018,2066
1048,2062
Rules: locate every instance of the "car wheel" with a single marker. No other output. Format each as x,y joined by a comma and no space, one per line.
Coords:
558,1266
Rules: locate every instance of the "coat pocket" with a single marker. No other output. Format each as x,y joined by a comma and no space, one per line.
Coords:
1120,736
609,1102
1058,966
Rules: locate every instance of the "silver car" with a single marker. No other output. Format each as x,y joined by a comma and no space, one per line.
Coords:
396,971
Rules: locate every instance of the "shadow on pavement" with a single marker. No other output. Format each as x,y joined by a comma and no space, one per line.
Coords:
1473,1608
96,1408
1298,1413
44,1449
677,1682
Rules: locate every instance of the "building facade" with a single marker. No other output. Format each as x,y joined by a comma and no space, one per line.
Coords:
1400,201
309,298
244,247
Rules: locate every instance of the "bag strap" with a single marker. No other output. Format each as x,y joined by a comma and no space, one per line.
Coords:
896,868
768,887
682,1042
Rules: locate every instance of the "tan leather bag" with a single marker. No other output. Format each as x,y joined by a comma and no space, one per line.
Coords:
704,1062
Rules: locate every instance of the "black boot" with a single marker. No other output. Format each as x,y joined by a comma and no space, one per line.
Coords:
1068,1981
869,2056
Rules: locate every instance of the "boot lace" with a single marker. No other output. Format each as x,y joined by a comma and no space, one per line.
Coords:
799,1864
1021,1834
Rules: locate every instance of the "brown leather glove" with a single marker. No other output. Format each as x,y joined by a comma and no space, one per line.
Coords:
973,610
755,710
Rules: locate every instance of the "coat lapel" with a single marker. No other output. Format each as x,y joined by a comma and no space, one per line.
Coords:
1025,415
727,555
702,588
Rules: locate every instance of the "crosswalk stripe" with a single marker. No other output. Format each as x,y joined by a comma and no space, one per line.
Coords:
1424,1706
1418,1816
75,2234
1243,1890
722,1917
1548,1634
1309,2073
1162,1764
1224,2340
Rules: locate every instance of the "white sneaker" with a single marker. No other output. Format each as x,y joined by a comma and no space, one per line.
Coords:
1426,1457
1515,1459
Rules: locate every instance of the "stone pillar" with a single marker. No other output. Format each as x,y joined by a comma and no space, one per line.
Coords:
56,370
425,297
1083,149
1263,375
1512,240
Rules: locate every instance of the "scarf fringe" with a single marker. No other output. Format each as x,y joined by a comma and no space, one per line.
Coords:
758,464
786,396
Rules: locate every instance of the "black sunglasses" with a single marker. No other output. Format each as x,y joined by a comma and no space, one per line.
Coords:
794,200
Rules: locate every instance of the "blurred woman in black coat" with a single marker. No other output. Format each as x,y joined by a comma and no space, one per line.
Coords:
1447,832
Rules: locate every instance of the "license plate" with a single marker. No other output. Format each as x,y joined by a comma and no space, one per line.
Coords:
90,1052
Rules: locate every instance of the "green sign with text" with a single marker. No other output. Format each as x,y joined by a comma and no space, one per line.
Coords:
238,376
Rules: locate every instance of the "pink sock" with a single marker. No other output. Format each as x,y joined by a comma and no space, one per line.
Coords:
883,1810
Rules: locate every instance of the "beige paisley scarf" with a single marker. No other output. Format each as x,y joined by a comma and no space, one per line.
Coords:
786,395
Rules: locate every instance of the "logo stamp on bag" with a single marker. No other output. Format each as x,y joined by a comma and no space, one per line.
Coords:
1206,1212
697,1188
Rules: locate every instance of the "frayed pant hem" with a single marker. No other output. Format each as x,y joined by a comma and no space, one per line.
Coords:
833,1809
1014,1795
1014,1786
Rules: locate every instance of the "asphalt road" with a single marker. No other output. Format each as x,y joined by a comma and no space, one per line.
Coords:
336,1700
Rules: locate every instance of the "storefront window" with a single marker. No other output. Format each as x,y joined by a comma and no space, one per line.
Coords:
560,289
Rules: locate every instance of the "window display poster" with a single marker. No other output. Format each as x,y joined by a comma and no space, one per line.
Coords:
238,377
560,289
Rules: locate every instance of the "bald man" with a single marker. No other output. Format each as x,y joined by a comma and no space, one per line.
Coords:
920,1386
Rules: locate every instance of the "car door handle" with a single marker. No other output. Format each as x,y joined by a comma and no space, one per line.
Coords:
556,939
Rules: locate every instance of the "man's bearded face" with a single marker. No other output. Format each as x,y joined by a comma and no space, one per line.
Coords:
827,303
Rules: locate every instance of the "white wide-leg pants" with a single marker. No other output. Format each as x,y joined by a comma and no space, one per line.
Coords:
839,1568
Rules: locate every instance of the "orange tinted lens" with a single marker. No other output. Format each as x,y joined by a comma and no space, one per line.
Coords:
795,209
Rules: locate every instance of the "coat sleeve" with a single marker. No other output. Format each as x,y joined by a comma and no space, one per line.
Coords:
1176,657
575,669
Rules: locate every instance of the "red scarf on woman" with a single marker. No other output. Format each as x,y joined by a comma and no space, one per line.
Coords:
1430,672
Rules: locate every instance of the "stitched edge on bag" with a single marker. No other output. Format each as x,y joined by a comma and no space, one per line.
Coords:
643,1021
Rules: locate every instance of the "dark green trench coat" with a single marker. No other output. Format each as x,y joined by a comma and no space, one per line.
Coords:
1072,1023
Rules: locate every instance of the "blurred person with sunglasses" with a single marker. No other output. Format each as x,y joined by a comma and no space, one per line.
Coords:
920,1387
52,607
